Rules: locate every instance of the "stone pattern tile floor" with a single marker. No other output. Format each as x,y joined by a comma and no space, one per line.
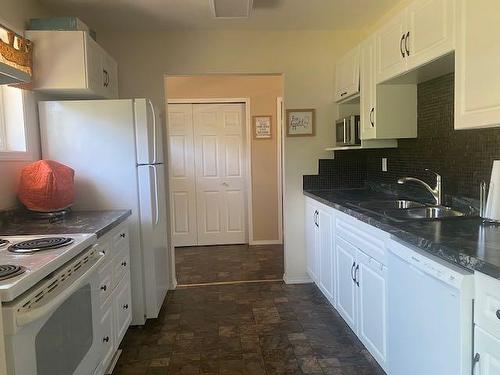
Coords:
208,264
252,329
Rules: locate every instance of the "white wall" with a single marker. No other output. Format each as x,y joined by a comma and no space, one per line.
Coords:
306,59
14,14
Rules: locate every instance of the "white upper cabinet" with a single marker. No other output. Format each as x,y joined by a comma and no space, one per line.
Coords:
418,35
387,111
477,59
347,75
390,44
430,31
71,64
368,90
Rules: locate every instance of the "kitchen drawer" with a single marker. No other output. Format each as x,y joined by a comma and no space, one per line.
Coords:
122,308
487,303
120,238
365,237
121,264
106,281
108,337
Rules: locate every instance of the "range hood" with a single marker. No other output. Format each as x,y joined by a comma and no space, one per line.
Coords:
16,58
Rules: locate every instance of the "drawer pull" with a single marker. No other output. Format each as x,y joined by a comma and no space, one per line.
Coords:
122,235
104,287
498,314
105,339
125,307
124,264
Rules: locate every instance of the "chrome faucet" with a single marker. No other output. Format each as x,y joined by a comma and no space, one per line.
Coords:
436,192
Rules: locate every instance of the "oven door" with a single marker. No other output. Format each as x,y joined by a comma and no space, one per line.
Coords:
343,132
60,335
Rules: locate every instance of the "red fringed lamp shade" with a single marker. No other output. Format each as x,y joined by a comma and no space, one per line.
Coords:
47,186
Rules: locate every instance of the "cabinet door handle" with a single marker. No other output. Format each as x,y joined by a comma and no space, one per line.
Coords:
372,112
352,271
498,314
356,272
123,235
124,264
406,43
105,76
475,360
105,339
401,46
104,287
343,94
125,307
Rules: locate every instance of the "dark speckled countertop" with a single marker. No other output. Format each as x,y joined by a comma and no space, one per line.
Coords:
464,241
98,222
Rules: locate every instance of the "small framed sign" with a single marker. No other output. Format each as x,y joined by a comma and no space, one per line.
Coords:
262,127
300,122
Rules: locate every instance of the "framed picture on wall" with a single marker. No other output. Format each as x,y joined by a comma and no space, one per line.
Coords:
300,122
262,127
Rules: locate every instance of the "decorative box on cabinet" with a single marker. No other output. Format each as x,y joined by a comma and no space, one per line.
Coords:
71,64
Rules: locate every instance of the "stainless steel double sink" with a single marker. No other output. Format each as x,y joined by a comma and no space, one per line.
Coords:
401,210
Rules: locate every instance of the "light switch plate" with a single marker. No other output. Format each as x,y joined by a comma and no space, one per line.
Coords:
384,164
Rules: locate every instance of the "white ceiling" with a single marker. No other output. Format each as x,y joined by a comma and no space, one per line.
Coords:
143,15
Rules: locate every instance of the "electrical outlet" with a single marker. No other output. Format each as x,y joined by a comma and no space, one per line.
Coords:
384,164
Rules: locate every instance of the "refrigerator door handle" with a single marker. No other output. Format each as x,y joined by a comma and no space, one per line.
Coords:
157,212
154,130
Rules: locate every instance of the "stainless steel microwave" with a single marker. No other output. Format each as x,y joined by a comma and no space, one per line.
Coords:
347,131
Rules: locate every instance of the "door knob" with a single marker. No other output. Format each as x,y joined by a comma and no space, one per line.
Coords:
225,184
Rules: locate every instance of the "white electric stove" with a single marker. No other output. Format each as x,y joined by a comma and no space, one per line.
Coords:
26,260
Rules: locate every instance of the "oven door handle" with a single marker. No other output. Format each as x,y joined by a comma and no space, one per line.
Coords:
31,315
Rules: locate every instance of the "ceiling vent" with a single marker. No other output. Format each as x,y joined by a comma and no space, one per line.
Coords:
231,8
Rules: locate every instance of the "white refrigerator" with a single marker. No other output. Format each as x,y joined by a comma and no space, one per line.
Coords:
115,148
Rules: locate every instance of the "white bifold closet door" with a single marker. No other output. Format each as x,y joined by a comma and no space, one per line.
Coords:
207,159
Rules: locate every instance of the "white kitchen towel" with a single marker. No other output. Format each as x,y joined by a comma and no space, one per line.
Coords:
493,202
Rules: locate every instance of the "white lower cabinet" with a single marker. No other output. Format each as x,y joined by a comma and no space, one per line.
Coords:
108,338
320,247
371,280
326,253
116,306
346,287
487,349
122,308
345,258
487,325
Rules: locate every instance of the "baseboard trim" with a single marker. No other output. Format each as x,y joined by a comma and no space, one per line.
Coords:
229,283
303,279
265,242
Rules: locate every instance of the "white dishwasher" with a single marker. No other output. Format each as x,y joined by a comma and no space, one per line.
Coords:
430,314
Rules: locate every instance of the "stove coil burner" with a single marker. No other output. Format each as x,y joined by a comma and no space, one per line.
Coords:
40,244
8,271
4,243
